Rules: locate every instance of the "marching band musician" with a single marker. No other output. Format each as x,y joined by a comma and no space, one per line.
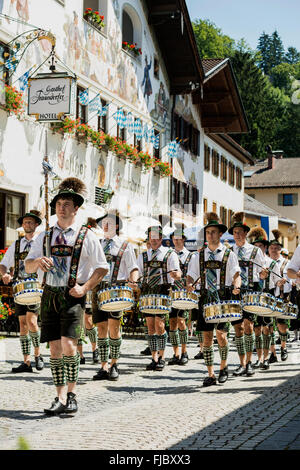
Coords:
177,318
263,326
123,267
283,290
154,264
75,265
251,261
27,314
216,268
293,272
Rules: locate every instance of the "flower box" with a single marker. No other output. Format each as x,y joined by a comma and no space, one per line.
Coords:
94,18
132,48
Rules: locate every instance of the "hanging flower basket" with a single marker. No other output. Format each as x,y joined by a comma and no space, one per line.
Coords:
132,48
14,101
94,18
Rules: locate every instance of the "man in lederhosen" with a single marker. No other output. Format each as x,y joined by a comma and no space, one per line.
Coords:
283,290
160,267
263,326
216,269
252,262
293,272
123,268
73,262
27,314
178,318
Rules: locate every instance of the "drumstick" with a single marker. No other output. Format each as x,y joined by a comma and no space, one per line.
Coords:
271,271
154,275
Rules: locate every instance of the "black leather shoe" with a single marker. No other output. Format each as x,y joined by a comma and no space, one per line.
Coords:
39,363
239,371
199,355
223,375
272,358
283,354
113,372
146,352
71,406
184,359
265,365
22,368
101,375
96,356
174,361
249,370
82,360
160,364
152,365
208,381
257,364
56,408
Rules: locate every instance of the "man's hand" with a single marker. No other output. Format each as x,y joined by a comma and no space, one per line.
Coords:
189,287
45,264
77,291
236,290
264,274
133,285
281,282
6,278
175,274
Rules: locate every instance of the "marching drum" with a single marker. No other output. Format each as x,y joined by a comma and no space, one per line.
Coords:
279,307
115,299
223,311
184,300
27,291
259,303
155,304
290,312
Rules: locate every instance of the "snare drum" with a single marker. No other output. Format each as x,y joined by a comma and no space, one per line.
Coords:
27,292
115,299
278,307
223,311
184,300
290,312
259,303
155,304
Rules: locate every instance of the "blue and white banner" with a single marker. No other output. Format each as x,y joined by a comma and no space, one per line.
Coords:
102,111
84,97
173,149
24,80
130,123
11,64
138,129
95,104
121,119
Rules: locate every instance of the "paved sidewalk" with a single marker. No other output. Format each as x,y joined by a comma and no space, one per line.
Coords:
145,410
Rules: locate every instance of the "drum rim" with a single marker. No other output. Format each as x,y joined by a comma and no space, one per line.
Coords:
115,288
155,295
222,302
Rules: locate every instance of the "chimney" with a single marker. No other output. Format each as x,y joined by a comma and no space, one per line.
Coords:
271,161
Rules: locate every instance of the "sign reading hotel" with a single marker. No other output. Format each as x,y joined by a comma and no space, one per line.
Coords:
50,98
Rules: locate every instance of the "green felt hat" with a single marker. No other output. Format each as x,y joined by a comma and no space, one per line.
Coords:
213,220
70,188
36,215
238,221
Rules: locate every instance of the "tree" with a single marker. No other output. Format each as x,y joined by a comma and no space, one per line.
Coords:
264,49
211,42
292,56
282,76
271,50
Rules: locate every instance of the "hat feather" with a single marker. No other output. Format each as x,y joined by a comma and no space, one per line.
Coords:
36,212
92,222
210,216
74,184
238,217
277,234
257,232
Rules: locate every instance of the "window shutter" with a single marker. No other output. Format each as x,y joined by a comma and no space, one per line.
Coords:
280,199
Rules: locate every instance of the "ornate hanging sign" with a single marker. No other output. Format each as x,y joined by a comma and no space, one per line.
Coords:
51,96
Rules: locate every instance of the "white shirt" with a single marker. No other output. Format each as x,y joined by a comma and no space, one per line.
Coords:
294,262
128,261
91,258
288,285
276,270
172,262
184,254
8,259
259,259
232,266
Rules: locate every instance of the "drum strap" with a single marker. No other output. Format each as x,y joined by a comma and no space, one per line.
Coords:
223,271
164,266
184,267
267,283
76,255
20,256
45,251
118,262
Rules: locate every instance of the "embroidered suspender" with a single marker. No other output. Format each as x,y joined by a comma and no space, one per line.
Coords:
20,257
285,262
267,283
248,264
165,266
118,262
161,264
213,265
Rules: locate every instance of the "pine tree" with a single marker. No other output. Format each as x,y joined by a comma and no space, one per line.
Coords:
292,56
264,42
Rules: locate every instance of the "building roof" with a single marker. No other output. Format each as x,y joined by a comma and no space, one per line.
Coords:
286,173
233,147
210,64
254,207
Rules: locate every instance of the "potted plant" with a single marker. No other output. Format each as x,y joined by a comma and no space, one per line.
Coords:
94,18
133,48
14,101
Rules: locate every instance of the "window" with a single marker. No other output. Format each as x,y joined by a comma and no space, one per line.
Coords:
206,157
5,72
289,199
214,207
156,151
223,215
127,28
204,209
195,200
238,178
231,174
176,191
230,214
101,7
11,206
224,165
156,67
132,29
215,163
81,110
121,132
102,120
137,143
195,138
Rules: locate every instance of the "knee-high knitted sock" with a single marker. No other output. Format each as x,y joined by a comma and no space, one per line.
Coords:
58,372
162,341
103,347
184,336
200,336
25,344
71,365
153,344
267,341
249,342
35,338
92,334
223,351
174,337
240,345
259,342
208,354
115,347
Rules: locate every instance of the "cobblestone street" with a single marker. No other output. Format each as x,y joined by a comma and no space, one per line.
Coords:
144,410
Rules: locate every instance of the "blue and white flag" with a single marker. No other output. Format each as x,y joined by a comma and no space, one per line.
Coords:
102,111
120,118
138,129
94,104
156,141
172,149
83,98
24,80
146,132
151,136
130,123
11,64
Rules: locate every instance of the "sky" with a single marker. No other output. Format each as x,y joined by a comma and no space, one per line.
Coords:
248,19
